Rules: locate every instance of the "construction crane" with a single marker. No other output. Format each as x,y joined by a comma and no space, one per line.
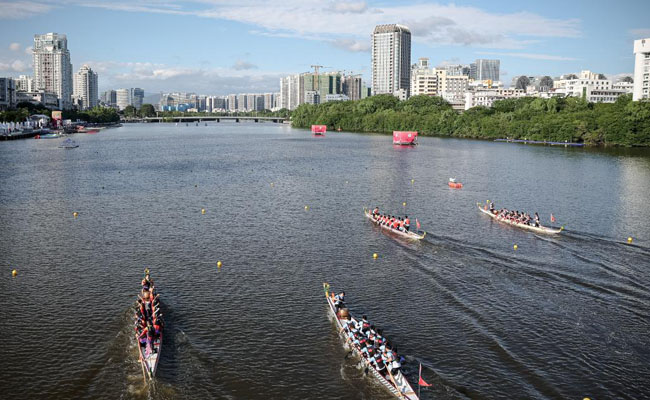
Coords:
315,81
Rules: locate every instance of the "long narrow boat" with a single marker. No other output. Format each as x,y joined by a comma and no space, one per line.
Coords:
149,356
397,384
538,229
408,235
150,352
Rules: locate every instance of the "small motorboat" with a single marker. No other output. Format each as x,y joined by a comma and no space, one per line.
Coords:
68,144
453,184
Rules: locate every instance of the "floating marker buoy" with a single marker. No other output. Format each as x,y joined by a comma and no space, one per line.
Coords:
218,264
75,214
196,185
272,184
102,187
346,181
306,208
14,273
586,398
412,180
203,211
404,204
629,240
374,255
515,247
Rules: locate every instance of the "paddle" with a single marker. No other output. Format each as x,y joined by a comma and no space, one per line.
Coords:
401,396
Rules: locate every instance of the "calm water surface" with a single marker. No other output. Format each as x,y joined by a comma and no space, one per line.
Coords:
561,317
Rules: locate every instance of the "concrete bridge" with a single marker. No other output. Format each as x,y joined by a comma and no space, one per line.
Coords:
205,118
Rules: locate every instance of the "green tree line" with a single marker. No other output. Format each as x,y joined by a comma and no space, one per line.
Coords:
572,119
25,109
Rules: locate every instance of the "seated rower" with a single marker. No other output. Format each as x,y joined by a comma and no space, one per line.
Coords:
339,301
147,283
407,223
375,212
536,220
492,208
365,325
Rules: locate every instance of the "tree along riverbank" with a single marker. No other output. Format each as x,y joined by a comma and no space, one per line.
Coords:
624,123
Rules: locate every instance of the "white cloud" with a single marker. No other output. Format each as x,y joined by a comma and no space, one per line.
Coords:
432,23
353,45
532,56
160,77
350,7
12,66
22,9
241,65
14,46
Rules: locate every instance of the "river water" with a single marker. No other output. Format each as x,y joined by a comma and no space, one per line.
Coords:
561,317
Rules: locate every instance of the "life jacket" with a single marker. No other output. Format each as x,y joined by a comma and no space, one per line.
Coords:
407,222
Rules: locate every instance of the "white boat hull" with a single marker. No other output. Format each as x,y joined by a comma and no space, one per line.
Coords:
538,229
408,235
402,388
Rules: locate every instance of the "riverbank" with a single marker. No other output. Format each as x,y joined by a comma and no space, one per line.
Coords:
570,120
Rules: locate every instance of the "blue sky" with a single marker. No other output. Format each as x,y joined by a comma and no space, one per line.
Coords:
230,46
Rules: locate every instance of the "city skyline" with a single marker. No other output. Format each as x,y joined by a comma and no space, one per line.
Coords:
249,47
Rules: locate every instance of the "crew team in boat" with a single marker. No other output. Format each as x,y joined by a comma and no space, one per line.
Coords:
370,341
515,216
148,317
373,345
391,221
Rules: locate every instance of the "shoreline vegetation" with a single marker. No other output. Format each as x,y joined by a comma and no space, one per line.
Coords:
572,119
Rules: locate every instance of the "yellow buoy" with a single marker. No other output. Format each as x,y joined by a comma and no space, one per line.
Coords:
75,214
586,398
404,204
272,184
515,247
629,240
412,180
374,255
203,211
14,273
306,208
218,264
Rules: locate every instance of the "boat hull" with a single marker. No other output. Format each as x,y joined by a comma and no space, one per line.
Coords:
150,361
407,235
402,388
537,229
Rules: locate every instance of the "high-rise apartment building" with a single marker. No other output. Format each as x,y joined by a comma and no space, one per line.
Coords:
423,79
487,70
391,59
352,86
641,70
109,98
137,97
86,88
123,98
24,83
52,67
7,93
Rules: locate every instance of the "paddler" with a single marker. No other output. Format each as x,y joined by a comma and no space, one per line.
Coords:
536,220
339,301
365,325
407,223
492,207
375,212
147,283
